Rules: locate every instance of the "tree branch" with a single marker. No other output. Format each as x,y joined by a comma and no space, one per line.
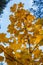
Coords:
34,48
12,58
27,36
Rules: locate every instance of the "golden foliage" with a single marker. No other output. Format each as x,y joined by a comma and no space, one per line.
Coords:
3,38
37,53
13,9
26,36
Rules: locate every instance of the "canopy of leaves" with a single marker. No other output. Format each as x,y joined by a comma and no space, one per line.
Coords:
24,30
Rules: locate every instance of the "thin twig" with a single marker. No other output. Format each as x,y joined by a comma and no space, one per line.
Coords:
34,48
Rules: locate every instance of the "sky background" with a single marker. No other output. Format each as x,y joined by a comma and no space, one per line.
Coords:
4,20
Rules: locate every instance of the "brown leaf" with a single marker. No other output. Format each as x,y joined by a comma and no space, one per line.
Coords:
1,48
1,58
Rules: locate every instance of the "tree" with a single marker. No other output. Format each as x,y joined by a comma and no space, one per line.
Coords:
38,12
23,32
3,5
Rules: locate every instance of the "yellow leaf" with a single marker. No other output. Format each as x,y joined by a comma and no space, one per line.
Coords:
15,46
20,5
41,32
13,9
41,42
17,54
30,18
38,39
12,19
36,53
3,38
